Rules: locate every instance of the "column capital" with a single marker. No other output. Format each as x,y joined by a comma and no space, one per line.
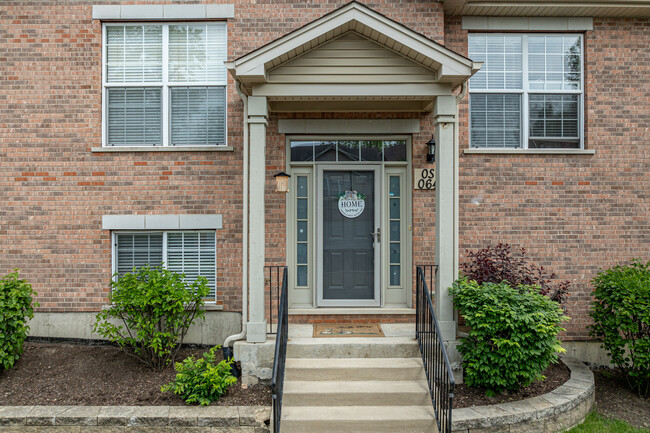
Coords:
445,109
257,107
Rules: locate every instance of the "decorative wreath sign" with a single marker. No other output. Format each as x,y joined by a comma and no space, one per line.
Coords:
351,204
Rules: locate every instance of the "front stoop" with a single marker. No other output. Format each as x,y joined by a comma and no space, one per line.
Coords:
356,385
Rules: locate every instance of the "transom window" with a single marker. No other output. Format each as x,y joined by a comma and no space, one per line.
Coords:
529,92
164,84
348,150
186,252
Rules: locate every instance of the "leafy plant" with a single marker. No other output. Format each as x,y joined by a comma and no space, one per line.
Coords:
513,335
151,311
16,306
201,381
621,314
496,264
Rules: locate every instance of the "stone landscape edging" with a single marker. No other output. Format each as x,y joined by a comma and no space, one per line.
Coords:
140,419
556,411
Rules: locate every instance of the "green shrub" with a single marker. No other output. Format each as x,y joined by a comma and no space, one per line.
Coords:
513,335
201,381
151,310
16,307
621,313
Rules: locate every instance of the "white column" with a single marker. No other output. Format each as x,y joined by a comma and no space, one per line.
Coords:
446,222
257,120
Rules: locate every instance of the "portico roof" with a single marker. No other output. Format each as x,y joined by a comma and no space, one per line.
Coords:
348,57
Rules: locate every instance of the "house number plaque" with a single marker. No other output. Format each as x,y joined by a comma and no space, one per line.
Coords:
424,178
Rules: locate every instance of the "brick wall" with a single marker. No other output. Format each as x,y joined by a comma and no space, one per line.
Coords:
55,190
573,213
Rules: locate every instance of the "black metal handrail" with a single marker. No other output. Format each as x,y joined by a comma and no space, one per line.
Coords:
434,356
272,281
280,358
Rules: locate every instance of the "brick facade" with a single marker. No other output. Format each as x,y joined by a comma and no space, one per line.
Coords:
574,213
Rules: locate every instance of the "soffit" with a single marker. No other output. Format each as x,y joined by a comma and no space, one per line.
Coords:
549,8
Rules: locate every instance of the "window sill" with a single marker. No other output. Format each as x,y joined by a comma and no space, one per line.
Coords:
212,307
162,149
531,151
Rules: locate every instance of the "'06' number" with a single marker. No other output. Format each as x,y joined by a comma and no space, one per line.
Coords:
428,179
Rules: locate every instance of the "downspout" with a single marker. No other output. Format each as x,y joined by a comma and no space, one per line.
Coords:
459,97
227,351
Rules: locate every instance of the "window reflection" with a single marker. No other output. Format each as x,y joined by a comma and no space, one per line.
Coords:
348,150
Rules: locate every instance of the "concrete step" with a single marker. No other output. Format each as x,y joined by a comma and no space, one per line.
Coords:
356,393
353,347
354,369
358,419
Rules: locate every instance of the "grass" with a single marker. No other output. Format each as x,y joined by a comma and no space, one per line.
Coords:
596,423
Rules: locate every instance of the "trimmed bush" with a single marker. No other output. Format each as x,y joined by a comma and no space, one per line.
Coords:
621,314
202,381
513,336
16,307
151,310
496,264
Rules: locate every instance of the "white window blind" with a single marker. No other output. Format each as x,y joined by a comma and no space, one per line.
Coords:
189,253
198,115
193,254
155,69
137,250
530,83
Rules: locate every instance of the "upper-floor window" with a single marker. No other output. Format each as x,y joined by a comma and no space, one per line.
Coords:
164,84
529,92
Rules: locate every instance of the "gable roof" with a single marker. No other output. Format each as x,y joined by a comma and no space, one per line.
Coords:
448,66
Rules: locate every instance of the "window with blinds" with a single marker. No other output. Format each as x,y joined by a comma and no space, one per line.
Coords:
528,94
165,84
190,253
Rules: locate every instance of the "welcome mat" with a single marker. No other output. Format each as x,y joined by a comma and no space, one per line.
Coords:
322,330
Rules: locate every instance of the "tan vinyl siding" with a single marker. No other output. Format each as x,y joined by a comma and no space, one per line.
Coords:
351,59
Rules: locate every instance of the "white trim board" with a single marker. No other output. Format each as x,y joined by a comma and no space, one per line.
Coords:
560,24
352,126
162,222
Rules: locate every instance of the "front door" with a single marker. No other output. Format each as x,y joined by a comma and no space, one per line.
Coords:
349,236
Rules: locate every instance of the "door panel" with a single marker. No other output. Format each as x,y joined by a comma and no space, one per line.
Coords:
348,250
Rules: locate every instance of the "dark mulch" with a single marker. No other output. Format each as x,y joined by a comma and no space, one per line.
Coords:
556,375
100,375
615,400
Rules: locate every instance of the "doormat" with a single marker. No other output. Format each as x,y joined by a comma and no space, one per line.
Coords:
323,330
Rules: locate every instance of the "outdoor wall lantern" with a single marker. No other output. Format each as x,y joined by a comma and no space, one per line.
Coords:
282,182
431,156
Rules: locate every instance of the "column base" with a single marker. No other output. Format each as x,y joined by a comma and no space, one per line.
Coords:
448,330
256,332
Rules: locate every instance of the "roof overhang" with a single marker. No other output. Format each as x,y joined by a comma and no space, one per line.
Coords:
549,8
447,69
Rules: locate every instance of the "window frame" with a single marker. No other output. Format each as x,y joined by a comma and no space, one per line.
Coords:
164,85
114,246
526,91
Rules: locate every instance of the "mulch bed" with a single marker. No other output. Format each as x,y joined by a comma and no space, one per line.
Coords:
556,375
101,375
615,400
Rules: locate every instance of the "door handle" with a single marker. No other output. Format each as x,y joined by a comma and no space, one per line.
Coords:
377,235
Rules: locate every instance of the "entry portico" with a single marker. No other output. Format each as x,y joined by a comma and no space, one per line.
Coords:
353,60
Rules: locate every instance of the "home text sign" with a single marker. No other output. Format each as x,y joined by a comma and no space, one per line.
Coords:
424,178
351,204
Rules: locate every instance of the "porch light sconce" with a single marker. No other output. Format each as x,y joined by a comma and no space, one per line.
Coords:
431,155
282,182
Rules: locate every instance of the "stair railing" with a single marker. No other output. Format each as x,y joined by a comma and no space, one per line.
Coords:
280,358
434,356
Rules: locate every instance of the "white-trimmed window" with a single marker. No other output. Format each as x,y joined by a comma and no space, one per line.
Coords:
529,92
164,84
192,253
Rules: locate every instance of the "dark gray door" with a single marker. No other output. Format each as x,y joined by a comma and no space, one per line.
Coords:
348,249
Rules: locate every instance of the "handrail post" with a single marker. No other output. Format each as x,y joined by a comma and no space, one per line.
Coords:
280,357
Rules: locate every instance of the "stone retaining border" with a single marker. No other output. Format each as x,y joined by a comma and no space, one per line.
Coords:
556,411
140,419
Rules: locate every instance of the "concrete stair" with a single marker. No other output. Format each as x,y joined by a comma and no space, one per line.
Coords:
355,385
